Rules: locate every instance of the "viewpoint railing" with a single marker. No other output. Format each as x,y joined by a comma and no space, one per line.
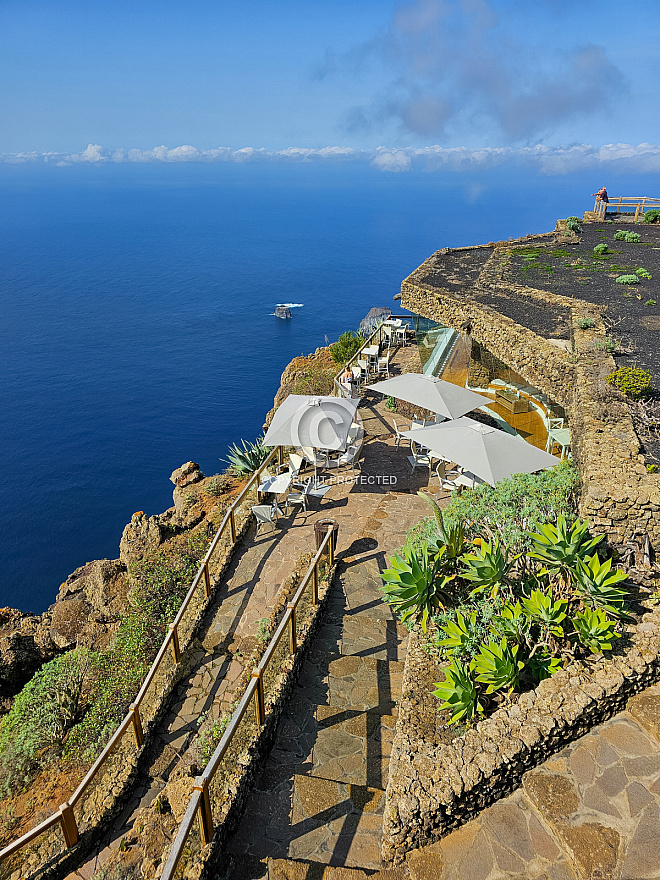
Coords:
198,817
621,204
167,658
376,338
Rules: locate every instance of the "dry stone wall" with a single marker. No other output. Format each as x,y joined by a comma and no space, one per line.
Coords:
619,497
434,786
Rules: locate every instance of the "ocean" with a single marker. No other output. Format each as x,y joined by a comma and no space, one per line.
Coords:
136,318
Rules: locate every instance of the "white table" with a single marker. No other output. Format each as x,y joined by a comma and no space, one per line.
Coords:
467,479
276,485
560,436
371,350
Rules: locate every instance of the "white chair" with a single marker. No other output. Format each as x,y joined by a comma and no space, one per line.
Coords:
387,331
420,457
355,434
384,366
295,464
398,431
294,498
357,376
265,514
350,457
401,334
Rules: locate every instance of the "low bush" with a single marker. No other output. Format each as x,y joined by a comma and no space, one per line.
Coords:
631,237
627,279
652,216
632,381
607,344
573,224
33,733
586,323
391,404
600,249
503,621
346,346
643,273
218,485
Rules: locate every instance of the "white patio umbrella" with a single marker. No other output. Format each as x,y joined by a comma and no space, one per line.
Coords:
443,398
488,452
303,420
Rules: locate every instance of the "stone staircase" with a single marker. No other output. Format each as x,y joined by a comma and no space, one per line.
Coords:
320,799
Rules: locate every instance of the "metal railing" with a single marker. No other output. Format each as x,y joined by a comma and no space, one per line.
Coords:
65,816
200,806
376,338
626,204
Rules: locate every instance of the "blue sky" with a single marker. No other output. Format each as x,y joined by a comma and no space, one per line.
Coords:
359,75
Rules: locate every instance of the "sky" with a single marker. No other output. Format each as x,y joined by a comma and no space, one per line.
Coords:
395,82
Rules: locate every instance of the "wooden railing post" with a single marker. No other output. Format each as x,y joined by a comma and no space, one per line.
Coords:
232,526
259,701
207,576
331,549
69,825
315,584
137,725
176,650
280,456
292,628
205,814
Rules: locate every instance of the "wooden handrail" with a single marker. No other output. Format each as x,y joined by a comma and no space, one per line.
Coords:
132,718
195,804
30,835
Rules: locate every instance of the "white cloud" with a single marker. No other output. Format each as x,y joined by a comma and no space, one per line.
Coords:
392,160
640,158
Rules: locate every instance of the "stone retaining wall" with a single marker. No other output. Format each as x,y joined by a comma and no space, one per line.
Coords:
434,787
619,497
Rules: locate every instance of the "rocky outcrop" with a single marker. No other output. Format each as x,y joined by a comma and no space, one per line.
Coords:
25,645
140,536
311,374
282,312
373,319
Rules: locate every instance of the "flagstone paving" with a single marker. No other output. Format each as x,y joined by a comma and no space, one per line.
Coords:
384,501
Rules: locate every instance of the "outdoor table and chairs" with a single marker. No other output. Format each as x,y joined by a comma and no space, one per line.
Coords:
276,485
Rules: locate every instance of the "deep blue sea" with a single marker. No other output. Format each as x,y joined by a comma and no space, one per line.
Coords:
136,320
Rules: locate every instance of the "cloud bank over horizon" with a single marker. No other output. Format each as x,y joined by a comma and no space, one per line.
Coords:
640,158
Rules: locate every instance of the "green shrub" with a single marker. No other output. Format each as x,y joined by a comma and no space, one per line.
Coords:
620,235
33,733
516,505
600,249
346,346
586,323
606,344
650,302
247,458
573,224
218,485
652,216
390,404
643,273
633,237
627,279
632,381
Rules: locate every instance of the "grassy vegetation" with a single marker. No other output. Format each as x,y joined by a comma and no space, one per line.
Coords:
71,707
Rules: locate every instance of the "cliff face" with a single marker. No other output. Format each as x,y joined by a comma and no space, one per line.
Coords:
90,603
310,374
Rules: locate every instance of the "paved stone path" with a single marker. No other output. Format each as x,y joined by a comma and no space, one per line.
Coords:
255,577
321,794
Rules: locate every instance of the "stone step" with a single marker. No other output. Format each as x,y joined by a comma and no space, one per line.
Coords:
353,746
348,681
288,869
336,823
382,638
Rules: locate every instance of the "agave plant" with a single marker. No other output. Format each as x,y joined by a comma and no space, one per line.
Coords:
541,608
596,584
458,692
245,459
497,666
452,537
486,569
559,547
414,585
511,622
458,633
543,665
595,630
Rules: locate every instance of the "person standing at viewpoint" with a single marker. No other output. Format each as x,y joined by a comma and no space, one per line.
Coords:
601,195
